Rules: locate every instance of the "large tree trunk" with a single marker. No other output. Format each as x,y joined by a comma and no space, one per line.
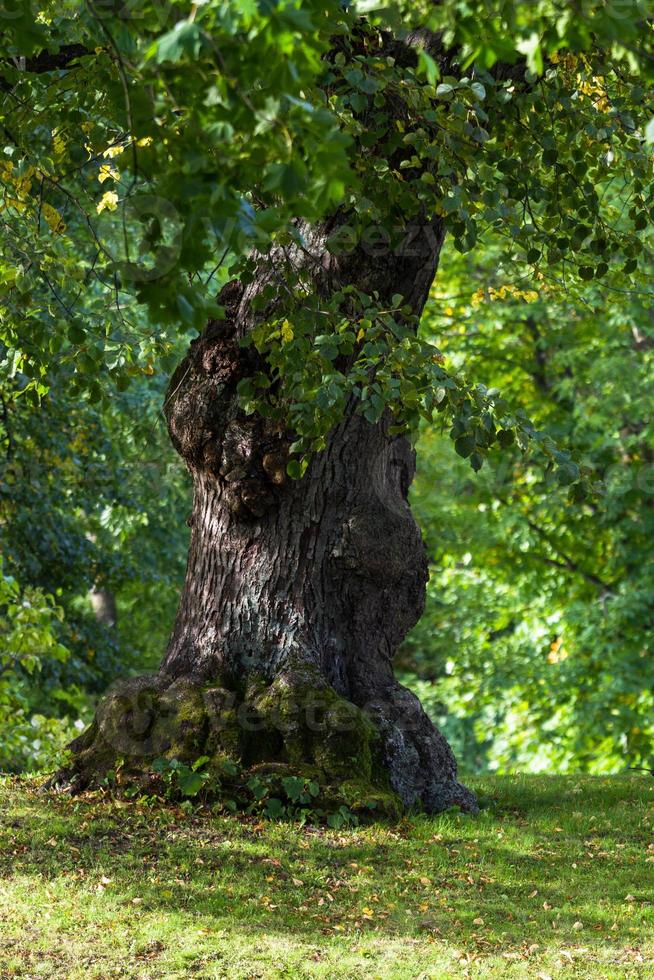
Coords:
297,593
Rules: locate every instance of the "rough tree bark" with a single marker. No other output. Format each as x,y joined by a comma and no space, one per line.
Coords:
297,593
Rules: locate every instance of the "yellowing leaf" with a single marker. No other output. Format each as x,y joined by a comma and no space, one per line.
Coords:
107,172
58,143
113,151
53,218
287,332
108,202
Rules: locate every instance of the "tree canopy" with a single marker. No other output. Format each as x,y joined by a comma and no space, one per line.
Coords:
150,148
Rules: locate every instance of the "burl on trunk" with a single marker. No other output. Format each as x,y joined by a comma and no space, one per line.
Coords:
297,592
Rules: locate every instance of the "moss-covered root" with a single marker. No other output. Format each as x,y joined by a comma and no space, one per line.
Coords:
296,724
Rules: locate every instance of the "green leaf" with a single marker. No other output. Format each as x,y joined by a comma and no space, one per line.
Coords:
184,39
464,446
190,783
274,808
76,333
85,363
567,473
294,469
428,67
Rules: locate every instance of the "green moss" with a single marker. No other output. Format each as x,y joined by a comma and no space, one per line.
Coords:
316,724
345,747
190,706
184,722
361,797
296,725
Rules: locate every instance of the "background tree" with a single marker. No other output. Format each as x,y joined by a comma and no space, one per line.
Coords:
548,606
328,183
79,510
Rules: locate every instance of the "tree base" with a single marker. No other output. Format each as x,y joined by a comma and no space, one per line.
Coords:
296,726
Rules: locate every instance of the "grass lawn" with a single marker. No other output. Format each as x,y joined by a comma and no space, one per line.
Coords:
555,878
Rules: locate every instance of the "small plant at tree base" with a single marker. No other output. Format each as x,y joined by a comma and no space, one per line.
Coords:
343,817
265,795
299,795
295,798
181,779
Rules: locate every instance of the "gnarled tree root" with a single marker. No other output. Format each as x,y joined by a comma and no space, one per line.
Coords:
295,725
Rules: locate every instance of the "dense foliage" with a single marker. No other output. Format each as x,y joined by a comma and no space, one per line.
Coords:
90,498
539,618
147,149
114,144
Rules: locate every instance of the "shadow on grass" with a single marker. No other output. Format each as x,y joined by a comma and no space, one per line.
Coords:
525,871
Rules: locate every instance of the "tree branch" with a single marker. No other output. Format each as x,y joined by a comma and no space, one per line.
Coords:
47,61
5,422
564,560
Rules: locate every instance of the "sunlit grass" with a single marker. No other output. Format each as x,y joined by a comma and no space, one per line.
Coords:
554,878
